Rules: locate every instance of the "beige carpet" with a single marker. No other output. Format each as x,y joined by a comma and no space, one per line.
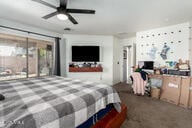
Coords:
146,112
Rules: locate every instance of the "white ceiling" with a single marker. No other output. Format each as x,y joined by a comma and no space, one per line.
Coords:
113,17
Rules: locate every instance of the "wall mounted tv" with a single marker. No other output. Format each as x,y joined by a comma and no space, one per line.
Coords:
85,53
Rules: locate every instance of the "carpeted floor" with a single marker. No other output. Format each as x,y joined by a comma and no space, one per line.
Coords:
146,112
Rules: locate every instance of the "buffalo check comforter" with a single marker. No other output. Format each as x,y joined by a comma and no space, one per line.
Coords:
52,102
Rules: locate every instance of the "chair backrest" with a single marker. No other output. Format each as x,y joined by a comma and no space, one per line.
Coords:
137,76
138,83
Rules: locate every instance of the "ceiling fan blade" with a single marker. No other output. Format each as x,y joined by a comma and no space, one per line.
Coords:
72,19
63,3
83,11
50,15
45,3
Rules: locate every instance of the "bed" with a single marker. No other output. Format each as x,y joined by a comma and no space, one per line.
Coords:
53,102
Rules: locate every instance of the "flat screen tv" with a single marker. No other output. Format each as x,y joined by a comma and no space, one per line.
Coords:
146,65
85,53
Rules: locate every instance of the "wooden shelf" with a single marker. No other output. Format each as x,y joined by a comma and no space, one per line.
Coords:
85,69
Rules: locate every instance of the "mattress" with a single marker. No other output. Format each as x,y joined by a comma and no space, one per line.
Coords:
96,117
47,102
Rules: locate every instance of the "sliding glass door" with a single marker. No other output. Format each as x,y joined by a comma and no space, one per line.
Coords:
40,55
24,57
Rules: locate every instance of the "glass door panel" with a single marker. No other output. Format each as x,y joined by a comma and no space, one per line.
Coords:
32,58
12,57
41,55
45,59
24,57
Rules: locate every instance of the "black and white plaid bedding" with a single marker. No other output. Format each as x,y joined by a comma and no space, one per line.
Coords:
52,102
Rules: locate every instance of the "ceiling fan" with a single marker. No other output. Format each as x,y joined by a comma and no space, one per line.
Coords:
63,12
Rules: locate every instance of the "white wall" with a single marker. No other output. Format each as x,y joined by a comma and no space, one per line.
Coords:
106,45
37,30
17,25
109,55
176,37
190,44
125,42
116,60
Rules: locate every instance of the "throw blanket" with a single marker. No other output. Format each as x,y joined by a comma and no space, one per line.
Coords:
138,83
52,102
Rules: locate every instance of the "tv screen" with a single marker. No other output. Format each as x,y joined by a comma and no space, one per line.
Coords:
146,64
85,53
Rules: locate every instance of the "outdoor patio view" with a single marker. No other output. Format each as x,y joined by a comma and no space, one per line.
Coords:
19,59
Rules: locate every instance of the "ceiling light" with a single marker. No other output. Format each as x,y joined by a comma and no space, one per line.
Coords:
62,16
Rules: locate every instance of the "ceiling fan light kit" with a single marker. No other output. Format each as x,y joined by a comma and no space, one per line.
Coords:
62,16
62,12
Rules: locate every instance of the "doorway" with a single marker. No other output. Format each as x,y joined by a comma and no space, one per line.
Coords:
127,63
